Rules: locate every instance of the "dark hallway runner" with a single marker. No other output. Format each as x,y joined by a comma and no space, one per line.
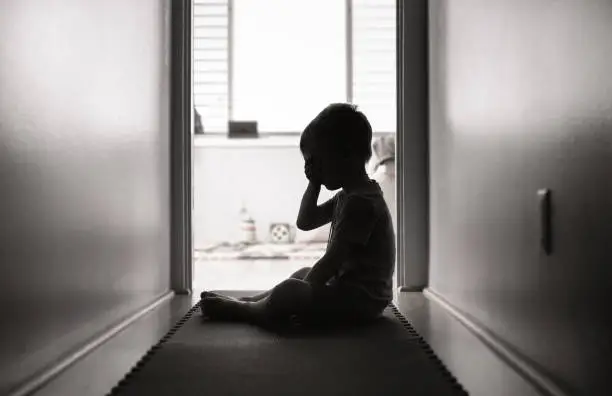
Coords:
207,358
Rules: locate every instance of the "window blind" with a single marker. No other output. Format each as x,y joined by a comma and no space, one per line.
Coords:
211,62
373,61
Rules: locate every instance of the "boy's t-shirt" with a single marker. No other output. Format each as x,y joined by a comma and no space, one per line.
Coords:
362,218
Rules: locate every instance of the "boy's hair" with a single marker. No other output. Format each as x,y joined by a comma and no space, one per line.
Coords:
342,128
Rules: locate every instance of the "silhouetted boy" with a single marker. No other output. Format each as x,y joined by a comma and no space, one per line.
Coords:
353,280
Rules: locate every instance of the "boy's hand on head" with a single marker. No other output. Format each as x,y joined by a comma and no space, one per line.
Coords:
312,172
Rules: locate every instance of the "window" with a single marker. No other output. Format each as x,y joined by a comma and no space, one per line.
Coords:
279,62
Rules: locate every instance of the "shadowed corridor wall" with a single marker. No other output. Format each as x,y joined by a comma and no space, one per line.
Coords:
84,172
521,99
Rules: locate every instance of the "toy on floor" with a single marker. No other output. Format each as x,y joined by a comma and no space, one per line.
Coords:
281,233
247,226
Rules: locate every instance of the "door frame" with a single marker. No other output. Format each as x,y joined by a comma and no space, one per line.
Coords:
412,145
181,146
412,148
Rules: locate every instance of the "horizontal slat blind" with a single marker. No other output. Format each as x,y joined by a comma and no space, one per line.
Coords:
211,62
373,61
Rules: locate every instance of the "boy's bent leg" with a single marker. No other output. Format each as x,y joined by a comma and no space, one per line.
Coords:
299,274
290,297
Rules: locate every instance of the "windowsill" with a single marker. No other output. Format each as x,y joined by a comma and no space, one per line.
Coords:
264,140
221,140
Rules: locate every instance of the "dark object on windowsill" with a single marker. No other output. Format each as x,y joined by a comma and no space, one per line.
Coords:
242,129
198,128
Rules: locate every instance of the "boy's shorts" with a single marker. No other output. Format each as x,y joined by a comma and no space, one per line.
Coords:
341,303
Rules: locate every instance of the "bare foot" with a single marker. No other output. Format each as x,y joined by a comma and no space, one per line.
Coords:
211,305
205,294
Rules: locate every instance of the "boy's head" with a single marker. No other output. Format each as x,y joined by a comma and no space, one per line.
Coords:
339,143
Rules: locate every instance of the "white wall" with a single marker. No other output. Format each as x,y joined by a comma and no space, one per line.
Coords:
270,180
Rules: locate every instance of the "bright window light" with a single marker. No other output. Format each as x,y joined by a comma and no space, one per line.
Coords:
289,61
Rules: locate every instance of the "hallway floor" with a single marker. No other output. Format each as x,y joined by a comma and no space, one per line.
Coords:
477,368
261,274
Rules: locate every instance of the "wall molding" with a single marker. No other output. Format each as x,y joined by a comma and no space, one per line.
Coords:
47,375
539,380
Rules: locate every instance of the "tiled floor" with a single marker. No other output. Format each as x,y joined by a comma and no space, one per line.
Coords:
476,367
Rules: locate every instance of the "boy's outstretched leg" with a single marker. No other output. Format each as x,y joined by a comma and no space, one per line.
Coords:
292,296
299,274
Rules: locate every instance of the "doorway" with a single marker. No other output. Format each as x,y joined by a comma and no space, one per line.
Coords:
243,237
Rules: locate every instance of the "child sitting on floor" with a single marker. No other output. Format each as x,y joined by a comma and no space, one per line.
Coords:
353,280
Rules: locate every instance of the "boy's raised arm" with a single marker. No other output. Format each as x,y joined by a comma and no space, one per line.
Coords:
311,215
